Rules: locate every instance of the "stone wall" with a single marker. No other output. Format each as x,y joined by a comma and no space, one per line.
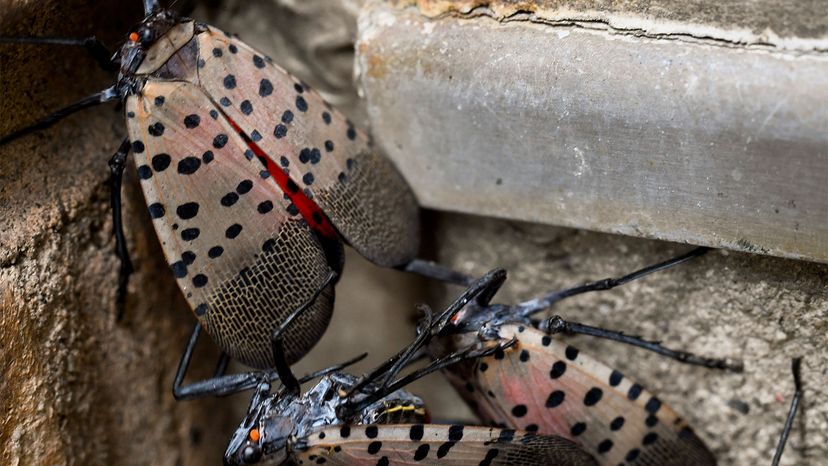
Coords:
77,387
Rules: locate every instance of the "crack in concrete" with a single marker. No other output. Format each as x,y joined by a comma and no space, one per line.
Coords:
806,48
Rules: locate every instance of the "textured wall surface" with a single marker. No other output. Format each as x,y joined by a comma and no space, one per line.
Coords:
683,137
76,387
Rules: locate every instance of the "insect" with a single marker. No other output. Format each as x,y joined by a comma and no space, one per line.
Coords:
252,181
370,420
542,384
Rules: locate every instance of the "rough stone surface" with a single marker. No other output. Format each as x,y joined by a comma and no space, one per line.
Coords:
76,386
761,309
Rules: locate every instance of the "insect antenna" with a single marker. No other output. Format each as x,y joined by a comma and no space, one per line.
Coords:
529,308
107,95
556,324
796,364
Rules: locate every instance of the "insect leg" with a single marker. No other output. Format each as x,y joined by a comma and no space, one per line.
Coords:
96,48
780,447
436,365
448,360
116,168
221,366
408,354
438,272
278,333
106,95
482,286
556,324
215,386
277,339
536,305
332,369
222,385
290,382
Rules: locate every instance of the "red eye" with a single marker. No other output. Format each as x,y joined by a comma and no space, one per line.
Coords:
133,37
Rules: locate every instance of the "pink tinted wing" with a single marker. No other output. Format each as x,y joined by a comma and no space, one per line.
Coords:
241,260
543,385
430,444
359,190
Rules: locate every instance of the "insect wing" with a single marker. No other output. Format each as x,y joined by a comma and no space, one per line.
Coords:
241,260
541,384
360,191
429,444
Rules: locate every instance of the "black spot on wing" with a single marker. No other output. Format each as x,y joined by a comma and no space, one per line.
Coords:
187,210
416,432
192,121
421,452
189,165
593,396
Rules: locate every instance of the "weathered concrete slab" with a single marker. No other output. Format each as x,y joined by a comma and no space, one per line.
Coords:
702,138
788,24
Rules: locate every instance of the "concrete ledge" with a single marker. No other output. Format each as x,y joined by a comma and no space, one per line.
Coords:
676,138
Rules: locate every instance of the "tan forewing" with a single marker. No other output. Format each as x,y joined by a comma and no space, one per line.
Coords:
545,385
241,260
431,444
359,190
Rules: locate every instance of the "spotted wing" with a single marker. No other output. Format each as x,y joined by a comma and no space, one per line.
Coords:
359,190
543,385
430,444
241,260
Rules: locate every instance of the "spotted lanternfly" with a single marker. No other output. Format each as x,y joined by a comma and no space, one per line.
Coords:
252,182
345,420
544,385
